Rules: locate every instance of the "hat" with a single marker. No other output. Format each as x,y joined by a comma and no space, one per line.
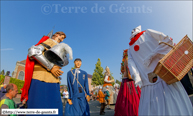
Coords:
77,59
135,31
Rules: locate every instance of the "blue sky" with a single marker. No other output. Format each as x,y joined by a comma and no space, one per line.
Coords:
94,29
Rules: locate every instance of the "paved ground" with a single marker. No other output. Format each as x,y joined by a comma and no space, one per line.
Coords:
94,107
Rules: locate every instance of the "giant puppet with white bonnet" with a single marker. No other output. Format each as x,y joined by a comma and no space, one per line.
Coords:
157,98
108,80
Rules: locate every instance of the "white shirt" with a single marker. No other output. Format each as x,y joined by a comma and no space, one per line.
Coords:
106,79
65,94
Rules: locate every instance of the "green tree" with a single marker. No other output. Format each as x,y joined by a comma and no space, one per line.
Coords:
118,82
98,77
2,72
2,77
7,73
73,67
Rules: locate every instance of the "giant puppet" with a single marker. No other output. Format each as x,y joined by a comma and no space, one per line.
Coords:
42,70
157,98
108,82
78,88
129,96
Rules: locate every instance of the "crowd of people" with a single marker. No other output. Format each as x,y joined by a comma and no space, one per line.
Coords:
141,92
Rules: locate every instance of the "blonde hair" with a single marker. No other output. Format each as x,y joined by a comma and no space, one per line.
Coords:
107,71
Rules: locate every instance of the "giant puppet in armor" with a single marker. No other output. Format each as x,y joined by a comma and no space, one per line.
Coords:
78,89
108,82
157,98
42,82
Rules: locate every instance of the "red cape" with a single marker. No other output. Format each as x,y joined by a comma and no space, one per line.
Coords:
29,67
135,38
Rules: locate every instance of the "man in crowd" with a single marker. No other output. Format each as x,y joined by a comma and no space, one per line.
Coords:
107,97
3,90
65,96
7,100
102,101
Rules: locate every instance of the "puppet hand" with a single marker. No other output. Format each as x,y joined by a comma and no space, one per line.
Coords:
56,71
24,102
69,101
88,98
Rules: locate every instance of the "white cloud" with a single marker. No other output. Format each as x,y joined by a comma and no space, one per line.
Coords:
6,49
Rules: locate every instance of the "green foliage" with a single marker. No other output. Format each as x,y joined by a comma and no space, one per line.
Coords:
98,77
17,82
1,79
2,72
118,82
95,93
61,94
7,73
73,67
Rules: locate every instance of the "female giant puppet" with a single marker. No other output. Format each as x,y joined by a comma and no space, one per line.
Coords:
108,82
157,98
128,98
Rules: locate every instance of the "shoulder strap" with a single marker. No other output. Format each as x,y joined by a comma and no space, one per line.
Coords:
45,45
78,82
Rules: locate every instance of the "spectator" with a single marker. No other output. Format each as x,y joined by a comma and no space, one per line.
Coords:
107,95
92,95
7,100
116,91
65,96
3,90
102,101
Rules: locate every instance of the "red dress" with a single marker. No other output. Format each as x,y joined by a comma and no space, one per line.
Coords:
128,99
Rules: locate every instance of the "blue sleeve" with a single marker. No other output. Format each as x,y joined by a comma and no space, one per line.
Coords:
86,84
69,85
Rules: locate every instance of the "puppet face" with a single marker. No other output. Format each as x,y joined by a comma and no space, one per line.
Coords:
154,79
59,38
78,63
135,31
107,70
